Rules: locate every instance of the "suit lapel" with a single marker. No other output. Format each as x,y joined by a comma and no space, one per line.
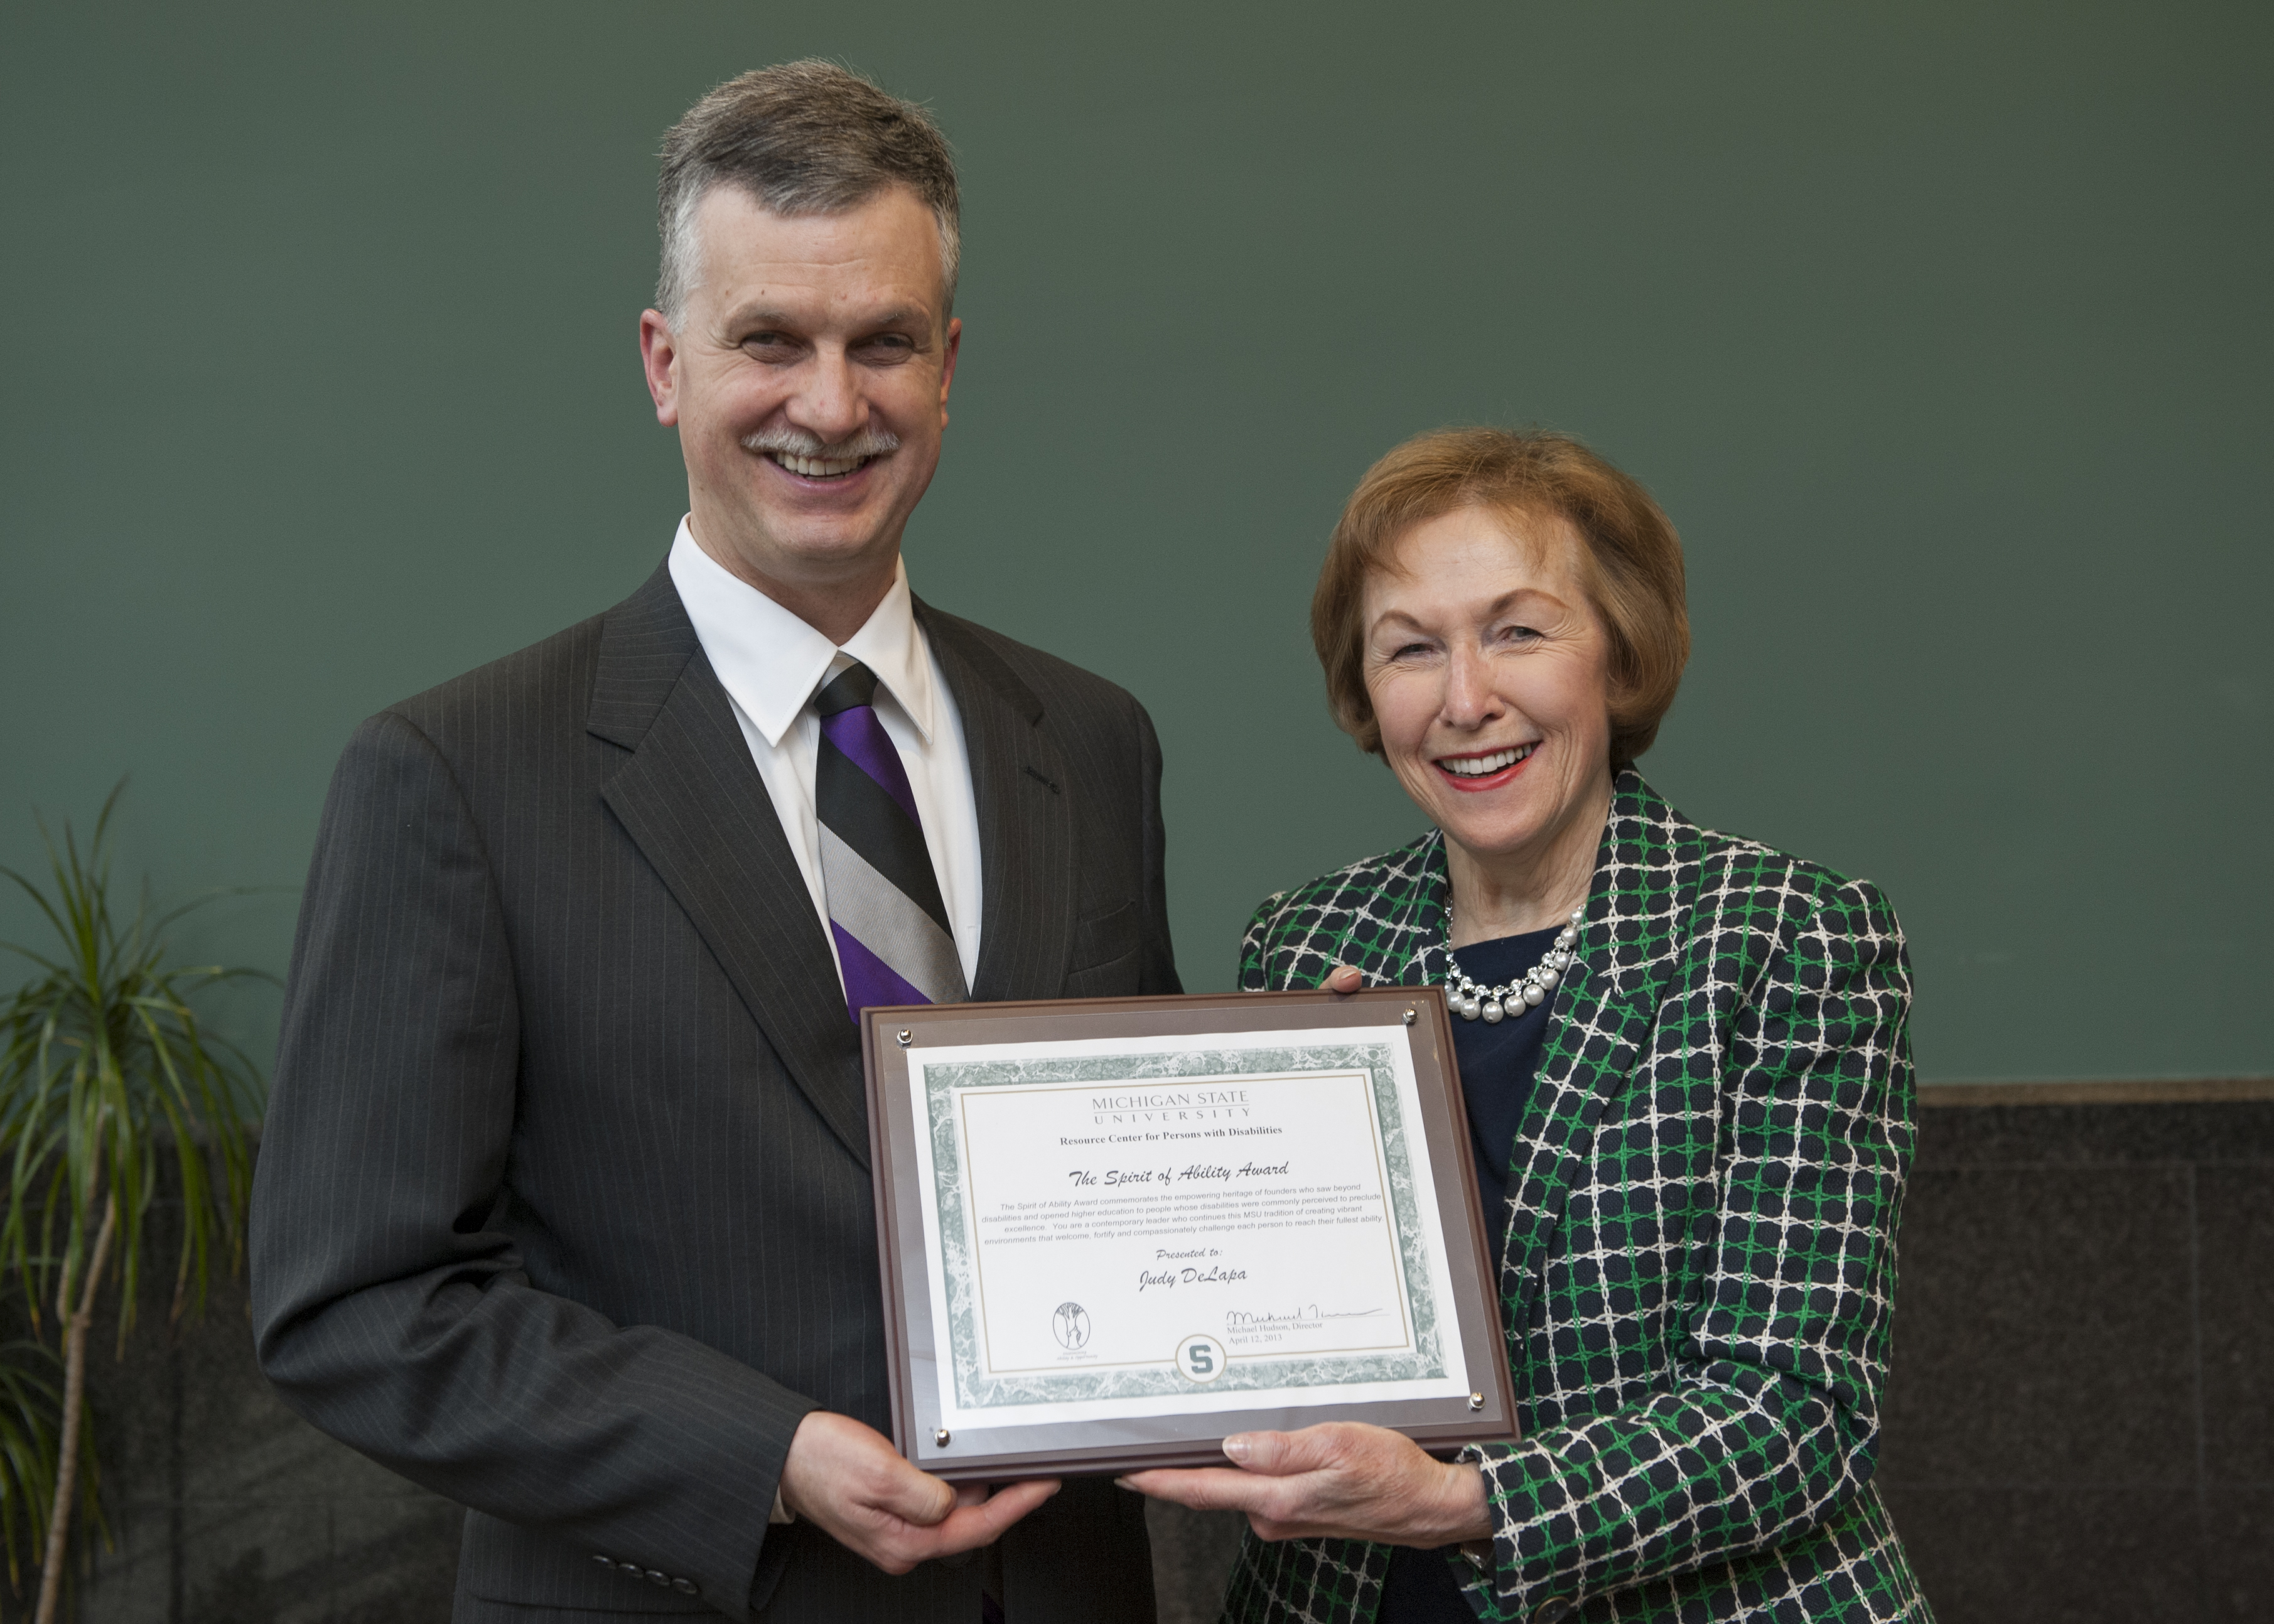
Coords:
691,798
1627,952
1026,828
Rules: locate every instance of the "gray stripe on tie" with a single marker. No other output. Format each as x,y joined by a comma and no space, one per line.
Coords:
882,918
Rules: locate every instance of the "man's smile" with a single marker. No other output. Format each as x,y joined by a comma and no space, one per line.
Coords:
807,456
817,468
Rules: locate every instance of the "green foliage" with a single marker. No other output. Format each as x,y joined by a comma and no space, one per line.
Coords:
105,1072
107,1081
30,1404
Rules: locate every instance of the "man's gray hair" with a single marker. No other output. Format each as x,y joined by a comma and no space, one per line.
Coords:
804,138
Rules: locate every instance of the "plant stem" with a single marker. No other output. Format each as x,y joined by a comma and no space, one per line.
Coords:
77,1320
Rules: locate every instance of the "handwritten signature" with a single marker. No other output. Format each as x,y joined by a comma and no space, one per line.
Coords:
1310,1313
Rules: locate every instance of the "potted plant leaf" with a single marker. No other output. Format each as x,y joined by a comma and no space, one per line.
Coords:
30,1410
110,1081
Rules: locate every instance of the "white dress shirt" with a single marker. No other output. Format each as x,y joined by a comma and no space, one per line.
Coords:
771,663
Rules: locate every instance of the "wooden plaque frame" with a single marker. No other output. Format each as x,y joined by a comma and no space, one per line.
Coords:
1008,1452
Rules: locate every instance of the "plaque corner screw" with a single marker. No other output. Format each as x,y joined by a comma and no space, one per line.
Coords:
1476,1401
904,1037
940,1436
1412,1014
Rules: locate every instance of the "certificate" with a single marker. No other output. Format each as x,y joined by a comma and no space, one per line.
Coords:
1112,1233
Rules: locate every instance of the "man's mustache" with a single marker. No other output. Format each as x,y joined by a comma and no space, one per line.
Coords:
786,441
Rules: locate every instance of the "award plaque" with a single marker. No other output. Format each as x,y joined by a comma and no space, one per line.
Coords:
1115,1231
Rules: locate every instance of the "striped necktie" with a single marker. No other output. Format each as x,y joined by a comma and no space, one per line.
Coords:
893,940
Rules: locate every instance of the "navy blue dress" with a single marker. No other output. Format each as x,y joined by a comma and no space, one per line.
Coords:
1497,1065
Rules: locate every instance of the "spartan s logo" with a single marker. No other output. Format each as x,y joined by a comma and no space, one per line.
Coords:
1201,1358
1070,1324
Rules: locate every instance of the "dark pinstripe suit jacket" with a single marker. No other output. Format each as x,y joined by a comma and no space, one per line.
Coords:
563,1206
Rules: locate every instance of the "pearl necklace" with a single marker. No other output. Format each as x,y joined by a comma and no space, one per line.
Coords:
1513,999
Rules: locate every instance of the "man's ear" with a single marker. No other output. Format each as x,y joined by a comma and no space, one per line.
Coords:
948,353
660,359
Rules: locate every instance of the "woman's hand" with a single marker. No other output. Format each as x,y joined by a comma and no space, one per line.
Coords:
1342,1480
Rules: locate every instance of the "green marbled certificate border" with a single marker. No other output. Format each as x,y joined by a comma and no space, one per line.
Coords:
975,1391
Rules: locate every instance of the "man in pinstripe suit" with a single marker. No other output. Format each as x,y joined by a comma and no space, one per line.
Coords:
563,1209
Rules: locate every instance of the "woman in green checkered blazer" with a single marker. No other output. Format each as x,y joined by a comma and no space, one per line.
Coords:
1689,1089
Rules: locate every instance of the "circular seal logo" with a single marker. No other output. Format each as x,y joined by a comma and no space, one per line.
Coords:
1201,1358
1070,1324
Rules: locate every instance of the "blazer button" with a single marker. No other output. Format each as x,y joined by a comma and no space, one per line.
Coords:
604,1562
1553,1610
687,1587
656,1575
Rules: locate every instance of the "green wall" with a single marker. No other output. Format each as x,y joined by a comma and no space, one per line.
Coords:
1942,331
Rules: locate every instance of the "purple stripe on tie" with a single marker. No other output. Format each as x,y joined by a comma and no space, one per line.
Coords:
869,981
857,731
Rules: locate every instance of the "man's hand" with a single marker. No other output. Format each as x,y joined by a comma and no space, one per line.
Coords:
849,1481
1342,1480
1343,978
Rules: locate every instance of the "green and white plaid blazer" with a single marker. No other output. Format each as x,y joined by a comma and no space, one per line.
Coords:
1701,1240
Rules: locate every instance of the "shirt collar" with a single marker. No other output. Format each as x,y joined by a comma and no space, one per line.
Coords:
770,662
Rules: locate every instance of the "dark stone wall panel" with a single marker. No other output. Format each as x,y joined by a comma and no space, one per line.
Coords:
2238,1559
2042,1329
229,1509
2239,1130
2062,1556
2080,1424
2237,1209
1192,1554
